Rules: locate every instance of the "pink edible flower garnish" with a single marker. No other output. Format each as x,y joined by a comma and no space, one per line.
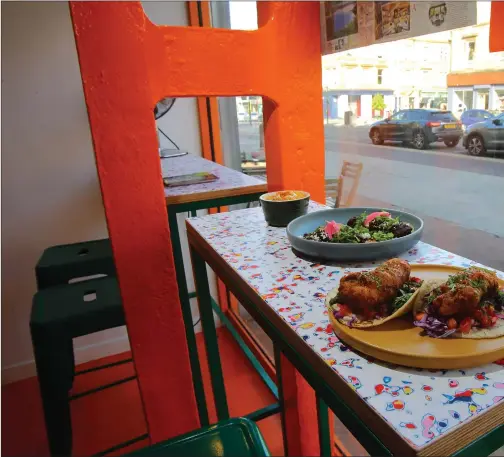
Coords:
374,216
332,228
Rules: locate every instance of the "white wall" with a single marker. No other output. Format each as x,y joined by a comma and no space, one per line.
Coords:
342,105
366,106
50,191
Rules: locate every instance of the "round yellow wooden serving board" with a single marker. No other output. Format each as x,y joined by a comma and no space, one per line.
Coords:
399,341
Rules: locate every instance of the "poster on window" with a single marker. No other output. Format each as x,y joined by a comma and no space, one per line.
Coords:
348,25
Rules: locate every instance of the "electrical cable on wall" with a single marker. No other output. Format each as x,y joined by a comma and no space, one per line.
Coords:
160,109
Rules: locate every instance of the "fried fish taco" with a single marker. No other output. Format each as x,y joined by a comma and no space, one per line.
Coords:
368,299
468,304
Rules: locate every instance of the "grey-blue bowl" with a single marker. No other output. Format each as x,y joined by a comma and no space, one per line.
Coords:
350,251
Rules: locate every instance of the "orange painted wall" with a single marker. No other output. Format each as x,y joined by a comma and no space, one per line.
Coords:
127,65
496,29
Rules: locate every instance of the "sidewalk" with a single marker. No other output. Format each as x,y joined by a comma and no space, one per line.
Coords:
358,122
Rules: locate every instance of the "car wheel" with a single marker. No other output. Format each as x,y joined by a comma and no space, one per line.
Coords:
376,137
452,143
419,141
475,145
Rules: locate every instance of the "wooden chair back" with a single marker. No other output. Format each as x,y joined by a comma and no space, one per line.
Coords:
337,187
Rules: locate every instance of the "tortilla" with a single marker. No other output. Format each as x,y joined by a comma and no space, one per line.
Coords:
356,323
476,333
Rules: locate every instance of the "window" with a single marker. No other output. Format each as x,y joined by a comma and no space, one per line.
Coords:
380,76
483,114
470,48
415,115
400,116
443,116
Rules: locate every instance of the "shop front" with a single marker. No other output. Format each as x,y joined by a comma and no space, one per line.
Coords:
476,90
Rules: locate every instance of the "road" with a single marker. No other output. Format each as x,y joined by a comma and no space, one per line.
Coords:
460,197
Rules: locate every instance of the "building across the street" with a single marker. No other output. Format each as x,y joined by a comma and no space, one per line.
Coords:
380,79
448,70
476,79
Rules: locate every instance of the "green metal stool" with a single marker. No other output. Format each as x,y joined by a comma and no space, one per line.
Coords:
60,264
238,437
58,315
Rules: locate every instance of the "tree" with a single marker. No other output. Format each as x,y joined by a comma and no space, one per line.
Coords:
378,102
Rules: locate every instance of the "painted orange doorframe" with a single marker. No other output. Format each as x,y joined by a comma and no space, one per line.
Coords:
122,52
300,409
120,108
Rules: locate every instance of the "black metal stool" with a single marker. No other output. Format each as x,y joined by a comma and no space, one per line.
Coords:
63,311
60,264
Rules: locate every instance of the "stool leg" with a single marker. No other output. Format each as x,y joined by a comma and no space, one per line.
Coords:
54,360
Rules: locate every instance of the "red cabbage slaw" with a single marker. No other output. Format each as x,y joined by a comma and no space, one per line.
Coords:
433,326
436,327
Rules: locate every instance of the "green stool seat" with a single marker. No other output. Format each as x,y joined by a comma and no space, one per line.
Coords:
58,315
60,264
238,437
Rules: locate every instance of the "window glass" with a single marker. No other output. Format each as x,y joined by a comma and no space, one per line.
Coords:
414,115
399,116
470,49
443,116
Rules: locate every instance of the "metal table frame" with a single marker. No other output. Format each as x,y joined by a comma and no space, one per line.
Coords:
348,412
185,296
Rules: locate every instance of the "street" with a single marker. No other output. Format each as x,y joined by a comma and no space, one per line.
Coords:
459,197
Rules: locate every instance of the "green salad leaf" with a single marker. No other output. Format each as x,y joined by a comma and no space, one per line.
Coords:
382,236
401,300
346,235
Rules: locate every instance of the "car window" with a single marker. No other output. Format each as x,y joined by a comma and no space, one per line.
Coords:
443,116
413,115
400,116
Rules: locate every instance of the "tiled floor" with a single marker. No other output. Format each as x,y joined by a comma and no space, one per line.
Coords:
115,415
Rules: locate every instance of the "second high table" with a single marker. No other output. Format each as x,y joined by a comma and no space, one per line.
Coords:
231,188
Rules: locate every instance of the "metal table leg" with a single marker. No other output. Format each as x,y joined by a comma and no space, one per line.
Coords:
323,428
278,369
210,335
199,391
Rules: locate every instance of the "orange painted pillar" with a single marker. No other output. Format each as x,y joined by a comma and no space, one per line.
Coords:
301,424
127,65
496,22
120,108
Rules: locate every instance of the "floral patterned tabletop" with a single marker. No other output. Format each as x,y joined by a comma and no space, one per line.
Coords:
228,179
419,404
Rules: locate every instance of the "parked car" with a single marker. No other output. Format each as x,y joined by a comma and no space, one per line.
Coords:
242,116
472,116
254,116
485,136
418,127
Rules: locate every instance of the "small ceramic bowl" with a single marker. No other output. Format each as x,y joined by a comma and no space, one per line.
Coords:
279,213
